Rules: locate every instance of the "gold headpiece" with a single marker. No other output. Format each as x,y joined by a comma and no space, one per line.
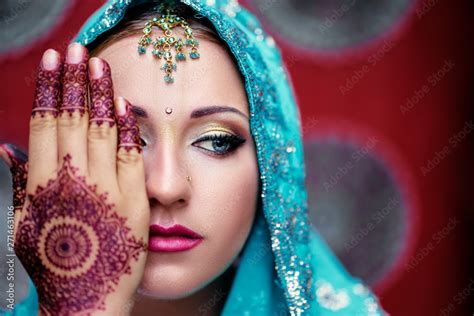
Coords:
163,45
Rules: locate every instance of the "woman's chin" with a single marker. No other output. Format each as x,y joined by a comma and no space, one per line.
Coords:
169,286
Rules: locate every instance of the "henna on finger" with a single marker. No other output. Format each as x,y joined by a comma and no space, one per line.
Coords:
48,90
19,172
102,93
74,244
75,80
129,132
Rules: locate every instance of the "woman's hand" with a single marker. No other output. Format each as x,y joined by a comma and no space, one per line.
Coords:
82,214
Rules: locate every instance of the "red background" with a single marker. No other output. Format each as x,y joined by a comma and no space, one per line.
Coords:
420,48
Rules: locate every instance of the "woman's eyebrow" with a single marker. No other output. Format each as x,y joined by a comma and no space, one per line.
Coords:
197,113
139,111
212,109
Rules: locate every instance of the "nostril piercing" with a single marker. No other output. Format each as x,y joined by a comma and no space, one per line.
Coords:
168,110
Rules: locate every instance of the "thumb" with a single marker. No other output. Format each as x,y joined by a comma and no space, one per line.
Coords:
17,160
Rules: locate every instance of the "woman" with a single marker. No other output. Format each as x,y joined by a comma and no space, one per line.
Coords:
186,195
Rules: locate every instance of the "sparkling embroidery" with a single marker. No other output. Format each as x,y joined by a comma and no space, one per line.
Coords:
329,298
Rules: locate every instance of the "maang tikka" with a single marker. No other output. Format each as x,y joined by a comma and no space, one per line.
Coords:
162,46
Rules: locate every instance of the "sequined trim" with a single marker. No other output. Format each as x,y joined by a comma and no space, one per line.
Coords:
330,298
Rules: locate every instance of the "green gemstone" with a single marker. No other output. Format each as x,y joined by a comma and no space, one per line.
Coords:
147,30
155,20
180,56
171,40
167,55
171,20
148,40
169,79
156,53
194,55
141,50
165,26
188,31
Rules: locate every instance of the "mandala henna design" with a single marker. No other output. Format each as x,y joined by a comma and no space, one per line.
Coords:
102,106
129,132
48,88
74,87
73,244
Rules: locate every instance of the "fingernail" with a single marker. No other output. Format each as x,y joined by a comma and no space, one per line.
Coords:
96,67
120,106
75,53
50,60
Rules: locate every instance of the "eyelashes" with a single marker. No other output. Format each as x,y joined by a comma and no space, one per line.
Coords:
221,144
218,145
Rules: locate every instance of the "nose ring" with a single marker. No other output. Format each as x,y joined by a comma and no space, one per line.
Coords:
188,178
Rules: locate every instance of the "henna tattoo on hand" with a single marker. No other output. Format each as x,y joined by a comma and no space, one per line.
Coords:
74,245
75,82
102,105
19,172
48,88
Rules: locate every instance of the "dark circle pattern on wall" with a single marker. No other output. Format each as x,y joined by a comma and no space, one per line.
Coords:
356,205
23,22
332,25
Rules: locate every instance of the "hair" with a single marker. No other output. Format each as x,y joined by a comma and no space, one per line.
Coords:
133,22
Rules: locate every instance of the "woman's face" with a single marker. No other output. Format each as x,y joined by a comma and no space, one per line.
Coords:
207,185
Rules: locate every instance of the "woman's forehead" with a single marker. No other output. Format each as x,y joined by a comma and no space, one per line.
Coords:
213,79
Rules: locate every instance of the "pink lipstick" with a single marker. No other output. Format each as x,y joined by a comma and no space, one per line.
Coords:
172,239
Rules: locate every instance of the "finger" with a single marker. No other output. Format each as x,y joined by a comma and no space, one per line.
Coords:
17,161
42,148
73,118
130,166
102,135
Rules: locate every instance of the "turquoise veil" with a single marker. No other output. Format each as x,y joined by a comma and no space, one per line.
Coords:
285,267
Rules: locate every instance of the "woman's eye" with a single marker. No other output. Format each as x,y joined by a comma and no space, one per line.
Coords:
220,144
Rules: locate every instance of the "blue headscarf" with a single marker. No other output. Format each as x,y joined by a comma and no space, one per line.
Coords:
285,267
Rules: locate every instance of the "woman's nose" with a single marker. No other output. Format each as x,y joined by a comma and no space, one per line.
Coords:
166,179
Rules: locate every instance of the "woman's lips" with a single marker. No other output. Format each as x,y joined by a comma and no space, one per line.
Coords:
172,239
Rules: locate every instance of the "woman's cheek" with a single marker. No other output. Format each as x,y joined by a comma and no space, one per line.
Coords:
239,207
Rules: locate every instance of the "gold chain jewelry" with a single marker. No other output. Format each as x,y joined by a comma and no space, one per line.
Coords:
162,46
